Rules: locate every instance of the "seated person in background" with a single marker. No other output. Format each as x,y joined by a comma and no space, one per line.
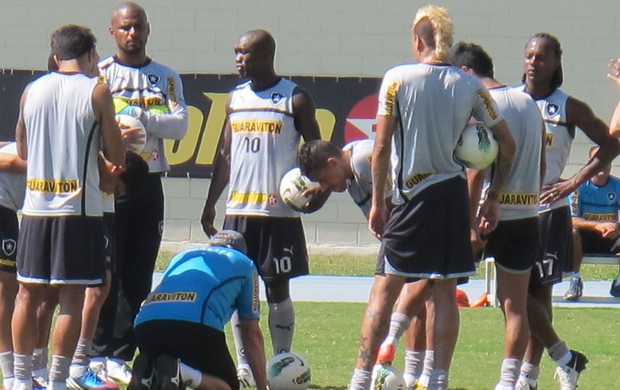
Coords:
180,327
596,229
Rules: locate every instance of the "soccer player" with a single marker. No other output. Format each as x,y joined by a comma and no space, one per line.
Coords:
180,327
516,243
12,191
562,114
430,188
266,117
349,169
81,376
66,118
595,208
153,93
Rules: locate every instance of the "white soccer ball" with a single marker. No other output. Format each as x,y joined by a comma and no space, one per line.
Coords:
477,147
128,122
288,371
292,186
386,377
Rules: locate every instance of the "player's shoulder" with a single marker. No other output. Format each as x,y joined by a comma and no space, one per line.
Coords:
162,69
242,86
106,63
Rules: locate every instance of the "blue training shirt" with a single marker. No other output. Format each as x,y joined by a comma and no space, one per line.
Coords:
596,203
205,285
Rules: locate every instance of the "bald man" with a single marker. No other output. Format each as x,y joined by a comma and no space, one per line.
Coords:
153,93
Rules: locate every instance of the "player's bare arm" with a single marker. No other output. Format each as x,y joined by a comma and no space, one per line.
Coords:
113,148
381,151
20,129
475,182
255,351
219,178
580,115
12,164
308,127
489,210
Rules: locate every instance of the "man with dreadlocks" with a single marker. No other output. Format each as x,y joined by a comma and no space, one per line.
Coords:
562,114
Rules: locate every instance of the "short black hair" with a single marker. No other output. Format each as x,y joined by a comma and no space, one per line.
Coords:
72,41
135,173
312,156
472,56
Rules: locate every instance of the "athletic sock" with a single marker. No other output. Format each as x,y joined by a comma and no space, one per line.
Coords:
429,361
560,353
281,325
438,380
6,366
509,372
239,347
414,364
59,371
360,379
399,323
22,367
530,371
80,360
39,362
191,377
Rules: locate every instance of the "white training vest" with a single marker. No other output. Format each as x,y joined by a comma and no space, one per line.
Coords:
63,142
264,147
12,185
559,139
520,194
433,103
158,91
360,185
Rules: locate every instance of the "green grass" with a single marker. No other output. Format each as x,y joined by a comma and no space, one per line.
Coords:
327,336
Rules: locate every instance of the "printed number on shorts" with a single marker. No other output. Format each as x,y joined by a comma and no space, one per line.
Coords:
283,264
252,145
545,268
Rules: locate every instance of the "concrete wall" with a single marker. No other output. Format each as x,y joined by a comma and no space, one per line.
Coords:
328,37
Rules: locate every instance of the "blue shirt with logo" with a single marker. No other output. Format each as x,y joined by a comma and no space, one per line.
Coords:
596,203
205,285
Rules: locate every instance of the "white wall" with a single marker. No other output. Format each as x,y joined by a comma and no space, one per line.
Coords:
328,37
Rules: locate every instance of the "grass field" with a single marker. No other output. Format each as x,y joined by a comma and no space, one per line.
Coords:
327,335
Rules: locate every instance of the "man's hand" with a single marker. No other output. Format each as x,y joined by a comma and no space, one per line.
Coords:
377,218
489,216
553,193
208,215
608,230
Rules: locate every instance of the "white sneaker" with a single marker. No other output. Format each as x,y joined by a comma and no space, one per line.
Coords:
245,376
524,383
569,374
118,371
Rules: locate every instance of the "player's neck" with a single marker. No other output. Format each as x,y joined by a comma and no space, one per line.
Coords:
133,60
346,158
539,91
265,81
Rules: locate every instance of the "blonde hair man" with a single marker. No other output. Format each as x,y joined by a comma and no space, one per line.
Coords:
430,188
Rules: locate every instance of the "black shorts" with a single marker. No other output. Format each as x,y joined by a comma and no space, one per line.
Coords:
515,244
9,231
556,229
199,346
428,236
61,250
276,245
109,241
593,242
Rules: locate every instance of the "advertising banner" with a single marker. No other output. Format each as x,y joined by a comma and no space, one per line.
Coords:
346,110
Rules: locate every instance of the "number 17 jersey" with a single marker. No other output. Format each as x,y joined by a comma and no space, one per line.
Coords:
264,147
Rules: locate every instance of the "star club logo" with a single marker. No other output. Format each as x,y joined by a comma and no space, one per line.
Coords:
272,199
552,109
362,119
153,79
9,246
